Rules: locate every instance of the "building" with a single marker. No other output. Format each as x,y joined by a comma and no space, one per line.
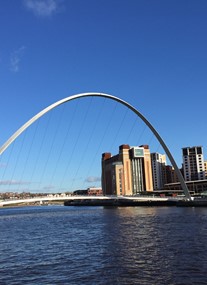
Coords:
195,187
205,167
159,173
127,173
193,163
170,175
148,183
97,191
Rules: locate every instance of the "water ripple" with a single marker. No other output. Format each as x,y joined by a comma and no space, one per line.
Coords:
83,245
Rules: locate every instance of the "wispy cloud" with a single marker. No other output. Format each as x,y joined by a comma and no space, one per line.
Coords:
3,165
15,59
13,182
43,8
93,179
48,188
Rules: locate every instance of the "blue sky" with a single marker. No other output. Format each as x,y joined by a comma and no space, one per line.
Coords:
153,54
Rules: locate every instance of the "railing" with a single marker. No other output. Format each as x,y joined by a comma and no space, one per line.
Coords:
89,197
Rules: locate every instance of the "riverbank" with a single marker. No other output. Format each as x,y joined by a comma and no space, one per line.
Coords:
120,203
137,203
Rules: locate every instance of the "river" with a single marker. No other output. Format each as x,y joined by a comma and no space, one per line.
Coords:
97,245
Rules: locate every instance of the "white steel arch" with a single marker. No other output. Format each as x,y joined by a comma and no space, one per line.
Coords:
94,94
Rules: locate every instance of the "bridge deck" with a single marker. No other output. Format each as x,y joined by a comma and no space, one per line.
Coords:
75,198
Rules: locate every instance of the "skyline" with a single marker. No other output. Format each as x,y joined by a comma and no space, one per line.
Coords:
151,54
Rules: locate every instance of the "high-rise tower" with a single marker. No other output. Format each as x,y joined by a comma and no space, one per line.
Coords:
158,170
193,163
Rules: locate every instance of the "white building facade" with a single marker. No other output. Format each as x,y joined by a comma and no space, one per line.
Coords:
193,163
158,170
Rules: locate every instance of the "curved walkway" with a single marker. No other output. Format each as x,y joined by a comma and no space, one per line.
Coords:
70,98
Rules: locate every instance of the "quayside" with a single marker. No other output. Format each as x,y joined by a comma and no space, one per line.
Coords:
120,203
196,202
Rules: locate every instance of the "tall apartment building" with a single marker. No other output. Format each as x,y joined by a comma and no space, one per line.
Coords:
193,163
127,173
205,167
158,170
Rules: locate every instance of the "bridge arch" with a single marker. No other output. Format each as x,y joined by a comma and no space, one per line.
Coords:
94,94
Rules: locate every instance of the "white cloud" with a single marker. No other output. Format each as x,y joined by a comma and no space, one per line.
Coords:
93,179
15,59
43,8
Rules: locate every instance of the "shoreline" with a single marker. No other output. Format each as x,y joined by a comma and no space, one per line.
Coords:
135,203
117,203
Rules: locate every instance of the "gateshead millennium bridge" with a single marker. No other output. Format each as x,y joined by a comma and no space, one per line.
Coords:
67,99
150,200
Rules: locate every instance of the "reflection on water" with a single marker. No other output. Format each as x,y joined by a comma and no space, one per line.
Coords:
95,245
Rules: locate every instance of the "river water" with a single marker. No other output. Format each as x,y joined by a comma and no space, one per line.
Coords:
96,245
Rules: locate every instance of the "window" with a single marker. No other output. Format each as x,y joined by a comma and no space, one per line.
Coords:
185,151
199,150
